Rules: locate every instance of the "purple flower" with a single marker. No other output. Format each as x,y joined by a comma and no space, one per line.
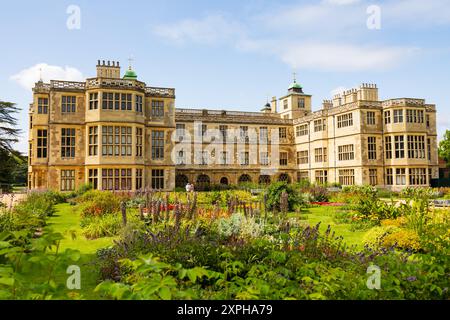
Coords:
411,279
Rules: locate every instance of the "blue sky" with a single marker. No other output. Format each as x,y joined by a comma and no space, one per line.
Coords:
233,54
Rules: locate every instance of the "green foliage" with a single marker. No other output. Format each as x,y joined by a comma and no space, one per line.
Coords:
374,237
107,225
19,264
274,192
444,147
98,203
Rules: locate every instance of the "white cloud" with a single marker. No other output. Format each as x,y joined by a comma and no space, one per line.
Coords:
209,30
28,77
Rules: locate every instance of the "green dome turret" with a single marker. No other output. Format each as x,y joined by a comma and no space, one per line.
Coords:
130,75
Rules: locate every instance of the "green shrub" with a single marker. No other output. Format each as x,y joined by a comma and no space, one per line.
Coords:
107,225
98,203
274,192
374,237
402,239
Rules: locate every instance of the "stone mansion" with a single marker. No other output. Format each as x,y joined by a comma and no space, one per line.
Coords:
117,133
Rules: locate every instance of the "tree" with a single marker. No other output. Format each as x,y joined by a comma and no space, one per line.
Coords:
12,163
8,132
444,148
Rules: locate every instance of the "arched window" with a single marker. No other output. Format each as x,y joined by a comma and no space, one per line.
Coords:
284,177
224,181
264,179
181,181
244,178
203,182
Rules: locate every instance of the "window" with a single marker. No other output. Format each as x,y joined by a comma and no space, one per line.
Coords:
181,158
347,177
180,131
346,152
67,180
93,101
67,143
302,157
345,120
387,117
264,158
243,133
93,178
42,143
68,104
116,141
388,147
321,176
157,108
93,141
42,105
157,145
399,147
223,160
416,147
116,101
285,104
282,132
223,132
301,130
301,103
116,179
429,148
263,134
398,116
400,176
244,159
414,116
139,103
428,121
139,141
389,176
302,176
417,176
139,179
373,179
372,148
319,125
31,122
158,179
370,117
283,158
202,130
203,157
320,154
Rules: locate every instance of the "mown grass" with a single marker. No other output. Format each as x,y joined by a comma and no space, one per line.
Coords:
67,222
325,215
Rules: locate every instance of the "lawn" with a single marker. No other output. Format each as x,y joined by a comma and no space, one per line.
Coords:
67,222
325,215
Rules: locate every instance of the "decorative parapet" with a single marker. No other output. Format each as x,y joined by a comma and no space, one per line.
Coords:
403,102
95,83
160,92
229,116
